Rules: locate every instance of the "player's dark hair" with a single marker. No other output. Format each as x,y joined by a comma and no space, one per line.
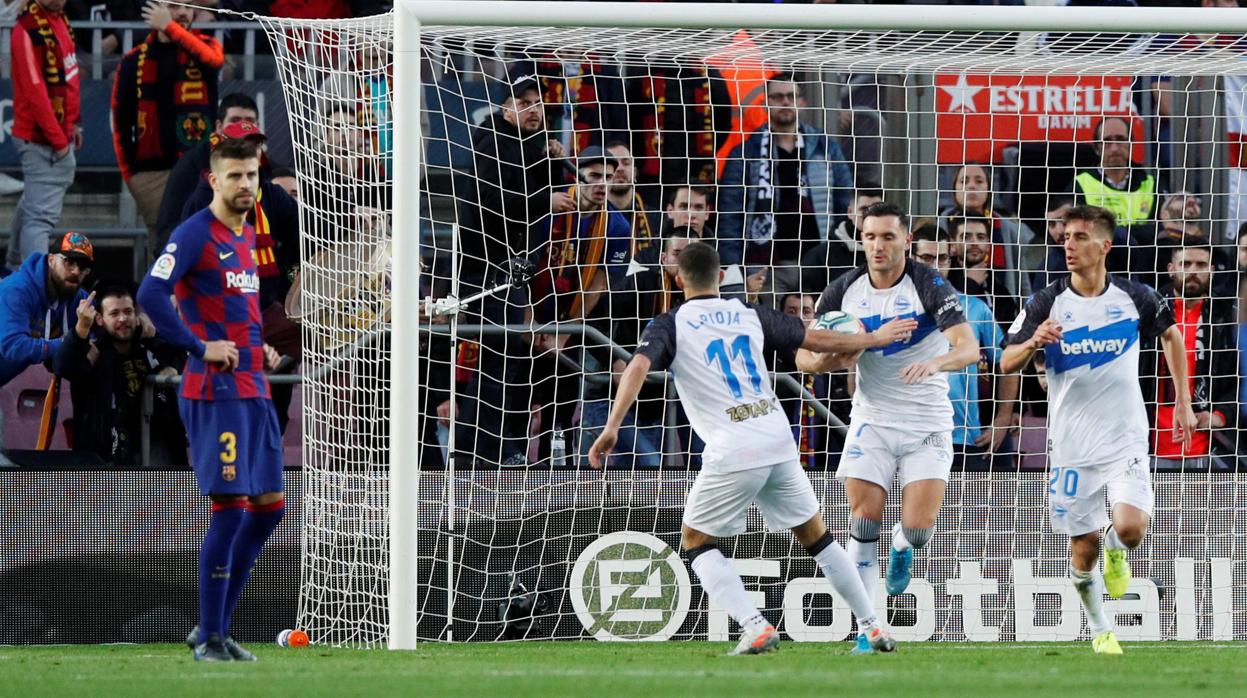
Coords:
1242,230
674,190
235,149
680,231
873,193
617,144
235,100
1101,219
959,219
783,77
699,265
111,290
883,209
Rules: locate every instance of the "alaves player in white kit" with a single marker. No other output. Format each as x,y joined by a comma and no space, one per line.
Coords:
715,349
1089,327
902,418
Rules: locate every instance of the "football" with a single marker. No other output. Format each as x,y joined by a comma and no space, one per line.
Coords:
839,321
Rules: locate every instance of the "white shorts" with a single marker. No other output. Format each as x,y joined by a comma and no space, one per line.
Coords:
875,454
718,501
1076,493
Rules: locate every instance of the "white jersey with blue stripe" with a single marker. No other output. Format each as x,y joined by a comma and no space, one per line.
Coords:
716,350
882,397
1096,411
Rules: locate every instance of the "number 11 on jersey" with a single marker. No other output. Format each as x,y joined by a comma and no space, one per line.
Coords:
718,351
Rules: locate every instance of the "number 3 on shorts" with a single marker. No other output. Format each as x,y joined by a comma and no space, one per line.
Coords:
229,447
1068,477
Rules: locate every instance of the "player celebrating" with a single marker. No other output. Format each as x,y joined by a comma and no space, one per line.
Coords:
210,266
1089,326
902,418
715,348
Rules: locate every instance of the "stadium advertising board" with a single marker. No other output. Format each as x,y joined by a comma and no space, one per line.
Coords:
978,116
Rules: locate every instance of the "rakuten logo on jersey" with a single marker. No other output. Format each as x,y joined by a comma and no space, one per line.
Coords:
247,281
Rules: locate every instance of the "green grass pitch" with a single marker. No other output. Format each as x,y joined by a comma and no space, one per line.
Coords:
650,670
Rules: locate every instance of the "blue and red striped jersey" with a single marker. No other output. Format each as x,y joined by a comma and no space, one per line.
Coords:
212,271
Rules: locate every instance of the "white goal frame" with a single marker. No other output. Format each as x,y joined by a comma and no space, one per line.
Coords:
410,15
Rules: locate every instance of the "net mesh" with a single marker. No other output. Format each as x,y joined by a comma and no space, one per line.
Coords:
515,538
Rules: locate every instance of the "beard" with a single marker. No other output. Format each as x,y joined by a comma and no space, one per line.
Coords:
122,334
242,204
621,189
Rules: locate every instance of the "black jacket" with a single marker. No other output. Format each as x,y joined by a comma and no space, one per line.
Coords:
501,218
108,396
1215,372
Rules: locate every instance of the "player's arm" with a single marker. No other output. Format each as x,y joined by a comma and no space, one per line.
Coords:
1031,331
828,350
1174,346
963,351
155,298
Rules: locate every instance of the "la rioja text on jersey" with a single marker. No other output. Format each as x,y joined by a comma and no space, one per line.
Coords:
723,318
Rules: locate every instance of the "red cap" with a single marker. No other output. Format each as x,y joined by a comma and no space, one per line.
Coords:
243,129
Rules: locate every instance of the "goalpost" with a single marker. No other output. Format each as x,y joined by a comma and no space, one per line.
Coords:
398,549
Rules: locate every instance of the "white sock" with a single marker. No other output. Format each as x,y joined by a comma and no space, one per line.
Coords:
838,568
1090,586
899,541
1112,542
723,586
865,557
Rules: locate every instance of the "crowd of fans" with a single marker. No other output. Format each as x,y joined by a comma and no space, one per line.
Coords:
592,194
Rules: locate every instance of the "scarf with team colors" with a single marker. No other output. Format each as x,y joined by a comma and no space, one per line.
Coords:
35,22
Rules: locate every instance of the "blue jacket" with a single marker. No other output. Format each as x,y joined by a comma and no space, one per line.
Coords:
963,385
826,171
30,327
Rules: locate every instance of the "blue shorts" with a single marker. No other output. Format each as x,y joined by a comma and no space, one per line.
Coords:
235,445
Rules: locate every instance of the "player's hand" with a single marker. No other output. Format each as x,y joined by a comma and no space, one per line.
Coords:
894,330
271,358
1047,333
602,447
86,315
1184,424
77,138
994,435
919,371
1208,420
561,202
157,16
223,352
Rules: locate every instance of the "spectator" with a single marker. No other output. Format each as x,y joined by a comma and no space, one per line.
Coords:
971,249
37,305
45,129
1054,251
275,218
680,117
286,178
107,374
808,429
583,100
688,206
842,250
780,190
587,248
515,164
164,94
1208,326
1128,191
192,167
353,198
972,191
625,200
974,442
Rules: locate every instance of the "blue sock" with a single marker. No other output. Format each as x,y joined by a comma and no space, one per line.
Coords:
259,523
214,567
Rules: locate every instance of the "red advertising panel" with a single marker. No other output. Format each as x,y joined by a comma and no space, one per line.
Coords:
977,116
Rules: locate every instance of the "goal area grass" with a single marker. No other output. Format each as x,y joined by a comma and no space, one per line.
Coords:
643,669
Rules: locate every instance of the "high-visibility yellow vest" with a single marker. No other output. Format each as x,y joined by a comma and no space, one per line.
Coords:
1130,207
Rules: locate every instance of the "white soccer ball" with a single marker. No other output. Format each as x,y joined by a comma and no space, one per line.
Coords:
839,321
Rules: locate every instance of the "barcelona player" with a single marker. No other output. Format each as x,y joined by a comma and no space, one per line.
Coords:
209,265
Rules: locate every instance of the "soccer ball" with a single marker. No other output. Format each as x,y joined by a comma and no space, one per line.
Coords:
839,321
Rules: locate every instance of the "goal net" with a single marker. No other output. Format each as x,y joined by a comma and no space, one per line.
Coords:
561,169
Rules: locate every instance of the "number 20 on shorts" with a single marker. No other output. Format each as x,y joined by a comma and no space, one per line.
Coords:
1066,478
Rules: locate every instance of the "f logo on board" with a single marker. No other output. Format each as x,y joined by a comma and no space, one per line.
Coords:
630,586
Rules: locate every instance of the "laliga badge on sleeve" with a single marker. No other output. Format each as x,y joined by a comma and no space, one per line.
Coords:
163,268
